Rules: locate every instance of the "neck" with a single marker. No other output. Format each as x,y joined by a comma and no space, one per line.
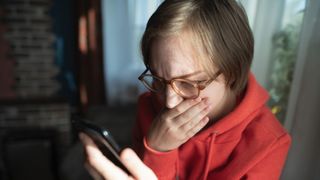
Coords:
227,104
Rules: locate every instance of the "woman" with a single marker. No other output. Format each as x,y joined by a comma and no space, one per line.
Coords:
206,115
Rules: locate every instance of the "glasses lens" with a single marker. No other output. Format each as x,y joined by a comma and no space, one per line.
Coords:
153,83
186,88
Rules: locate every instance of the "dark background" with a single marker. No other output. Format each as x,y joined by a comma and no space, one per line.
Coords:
46,79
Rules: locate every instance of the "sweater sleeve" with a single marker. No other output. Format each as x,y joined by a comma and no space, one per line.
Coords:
270,167
164,164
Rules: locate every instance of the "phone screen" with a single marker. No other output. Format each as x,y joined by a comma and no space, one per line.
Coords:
104,141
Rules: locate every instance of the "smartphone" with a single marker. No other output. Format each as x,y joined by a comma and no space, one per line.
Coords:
103,139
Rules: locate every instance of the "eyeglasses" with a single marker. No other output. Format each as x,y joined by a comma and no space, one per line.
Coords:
185,88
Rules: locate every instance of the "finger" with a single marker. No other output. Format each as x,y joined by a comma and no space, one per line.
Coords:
106,168
182,107
197,128
197,117
192,112
138,169
93,173
99,162
86,140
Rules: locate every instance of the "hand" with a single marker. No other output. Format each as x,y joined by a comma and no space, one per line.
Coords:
173,127
102,168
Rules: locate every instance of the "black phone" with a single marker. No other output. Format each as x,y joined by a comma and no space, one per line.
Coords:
103,139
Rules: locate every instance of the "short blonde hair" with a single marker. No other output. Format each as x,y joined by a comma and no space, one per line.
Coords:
219,27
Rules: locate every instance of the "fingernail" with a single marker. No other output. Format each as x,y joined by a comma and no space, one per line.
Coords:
125,156
127,159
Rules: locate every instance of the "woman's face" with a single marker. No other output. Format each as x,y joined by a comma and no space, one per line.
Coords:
174,57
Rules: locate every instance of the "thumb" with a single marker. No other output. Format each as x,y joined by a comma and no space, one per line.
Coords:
134,164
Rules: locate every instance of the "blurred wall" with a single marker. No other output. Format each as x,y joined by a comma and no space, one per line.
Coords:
303,119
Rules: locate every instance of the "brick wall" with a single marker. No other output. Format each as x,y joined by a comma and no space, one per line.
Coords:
29,33
48,114
6,64
28,86
27,69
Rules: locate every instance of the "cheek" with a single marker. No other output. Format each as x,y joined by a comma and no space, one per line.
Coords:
214,92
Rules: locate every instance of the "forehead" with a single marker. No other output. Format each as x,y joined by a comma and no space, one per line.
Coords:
174,56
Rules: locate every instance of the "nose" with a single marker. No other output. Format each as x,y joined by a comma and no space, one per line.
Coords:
172,98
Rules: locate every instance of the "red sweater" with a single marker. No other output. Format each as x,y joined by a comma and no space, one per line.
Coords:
248,143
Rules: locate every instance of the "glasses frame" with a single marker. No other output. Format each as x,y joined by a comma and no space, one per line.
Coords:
199,85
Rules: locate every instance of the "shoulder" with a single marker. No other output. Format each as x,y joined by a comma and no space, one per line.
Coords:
145,98
145,102
146,110
266,127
